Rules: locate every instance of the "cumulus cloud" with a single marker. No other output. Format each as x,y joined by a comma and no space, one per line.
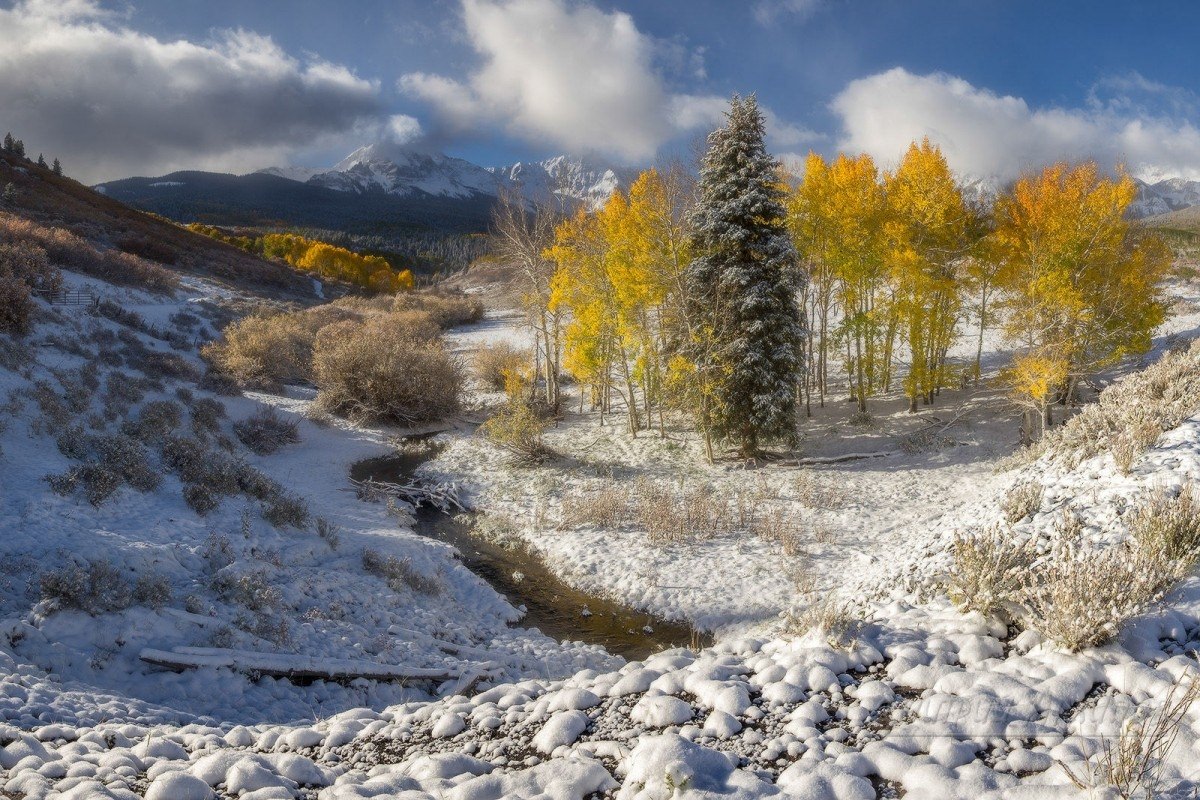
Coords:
75,82
987,134
568,75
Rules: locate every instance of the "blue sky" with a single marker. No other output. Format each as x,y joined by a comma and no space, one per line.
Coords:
1003,86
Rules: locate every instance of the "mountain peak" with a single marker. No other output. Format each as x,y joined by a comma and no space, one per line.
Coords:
398,170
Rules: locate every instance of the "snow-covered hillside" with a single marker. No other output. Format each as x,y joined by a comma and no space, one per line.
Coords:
405,172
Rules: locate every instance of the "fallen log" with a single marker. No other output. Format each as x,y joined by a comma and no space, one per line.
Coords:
813,460
442,496
293,667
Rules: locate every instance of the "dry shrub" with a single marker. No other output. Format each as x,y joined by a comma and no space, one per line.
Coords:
778,527
1168,527
519,429
379,372
97,587
1131,763
29,264
69,250
16,306
823,613
264,432
156,421
500,364
989,568
1079,598
1022,500
447,310
283,509
398,572
671,516
263,352
606,506
814,491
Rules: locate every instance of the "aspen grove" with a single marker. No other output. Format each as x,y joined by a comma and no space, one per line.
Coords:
752,294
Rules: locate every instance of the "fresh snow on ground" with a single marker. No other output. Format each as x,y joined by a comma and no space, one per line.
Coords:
924,702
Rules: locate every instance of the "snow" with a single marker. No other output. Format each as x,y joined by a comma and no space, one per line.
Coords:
923,699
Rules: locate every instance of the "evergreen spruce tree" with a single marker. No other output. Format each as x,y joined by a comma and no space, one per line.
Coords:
19,148
9,198
41,162
56,167
8,143
742,286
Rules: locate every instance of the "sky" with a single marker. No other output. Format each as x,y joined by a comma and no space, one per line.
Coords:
144,87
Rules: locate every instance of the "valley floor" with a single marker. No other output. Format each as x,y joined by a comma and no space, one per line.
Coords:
922,701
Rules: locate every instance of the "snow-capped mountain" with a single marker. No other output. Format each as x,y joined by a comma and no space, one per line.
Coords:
403,172
1161,197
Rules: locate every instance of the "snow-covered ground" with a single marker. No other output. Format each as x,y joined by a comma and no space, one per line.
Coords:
922,702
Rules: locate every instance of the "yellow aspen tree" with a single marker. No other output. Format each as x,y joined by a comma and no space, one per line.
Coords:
1081,283
928,230
857,250
811,225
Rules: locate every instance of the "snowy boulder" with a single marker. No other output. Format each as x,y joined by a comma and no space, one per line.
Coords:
659,711
823,782
298,769
662,766
449,725
573,700
560,779
249,775
562,729
178,786
721,725
159,747
445,766
23,747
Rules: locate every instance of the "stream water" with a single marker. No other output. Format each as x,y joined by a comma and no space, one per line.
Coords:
551,606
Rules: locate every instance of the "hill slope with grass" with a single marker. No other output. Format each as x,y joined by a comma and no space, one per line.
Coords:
106,224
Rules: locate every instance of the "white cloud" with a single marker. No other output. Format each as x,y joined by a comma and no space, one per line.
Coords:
986,134
571,76
111,101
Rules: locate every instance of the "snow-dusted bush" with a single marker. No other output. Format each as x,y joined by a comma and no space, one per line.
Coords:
827,616
332,534
207,414
127,458
1021,501
1130,765
29,264
377,372
156,421
96,588
200,498
152,590
398,572
251,589
1129,415
1079,598
519,429
1168,527
283,509
988,570
264,432
500,365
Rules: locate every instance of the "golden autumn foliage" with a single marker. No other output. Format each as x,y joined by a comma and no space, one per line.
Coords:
1081,283
323,259
619,274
